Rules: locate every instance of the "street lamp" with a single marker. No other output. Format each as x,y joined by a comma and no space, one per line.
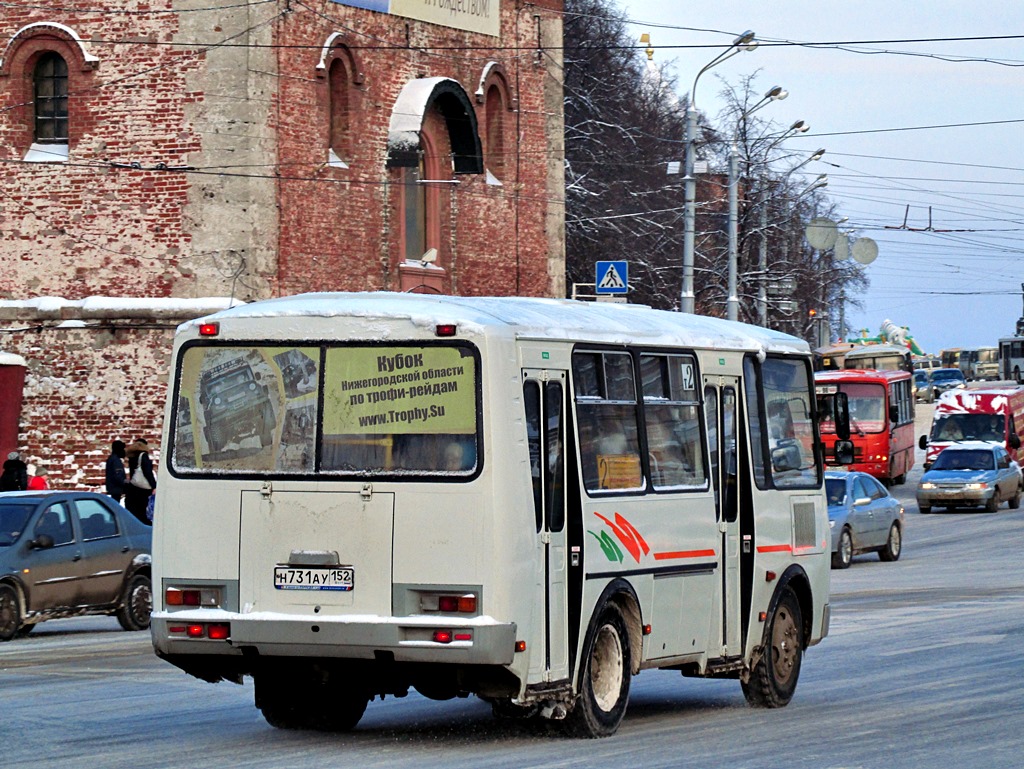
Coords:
744,42
776,93
818,183
762,253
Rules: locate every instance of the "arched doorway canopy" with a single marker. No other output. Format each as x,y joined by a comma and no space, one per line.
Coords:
413,104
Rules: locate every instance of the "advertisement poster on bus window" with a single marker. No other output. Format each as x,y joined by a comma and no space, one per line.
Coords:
247,408
399,390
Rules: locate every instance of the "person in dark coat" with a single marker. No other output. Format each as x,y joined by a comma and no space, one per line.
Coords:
15,475
116,477
136,495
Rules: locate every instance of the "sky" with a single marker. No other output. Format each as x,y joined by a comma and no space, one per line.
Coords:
958,288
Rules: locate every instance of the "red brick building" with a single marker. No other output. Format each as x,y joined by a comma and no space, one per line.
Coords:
181,150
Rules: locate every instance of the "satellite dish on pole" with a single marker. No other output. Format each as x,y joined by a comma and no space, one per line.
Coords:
864,250
822,233
841,250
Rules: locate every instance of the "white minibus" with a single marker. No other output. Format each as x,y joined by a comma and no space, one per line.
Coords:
528,500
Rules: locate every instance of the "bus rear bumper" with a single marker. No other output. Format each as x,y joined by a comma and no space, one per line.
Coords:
473,641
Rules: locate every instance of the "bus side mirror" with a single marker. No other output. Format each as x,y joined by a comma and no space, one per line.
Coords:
894,413
841,415
843,451
923,443
1014,441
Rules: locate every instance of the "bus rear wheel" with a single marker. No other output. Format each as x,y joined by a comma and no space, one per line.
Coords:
605,678
773,680
309,700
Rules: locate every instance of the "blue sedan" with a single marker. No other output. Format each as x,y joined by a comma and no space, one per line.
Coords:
864,517
971,474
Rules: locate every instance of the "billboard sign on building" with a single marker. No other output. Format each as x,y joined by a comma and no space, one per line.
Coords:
483,16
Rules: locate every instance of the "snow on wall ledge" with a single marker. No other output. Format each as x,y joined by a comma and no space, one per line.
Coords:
112,308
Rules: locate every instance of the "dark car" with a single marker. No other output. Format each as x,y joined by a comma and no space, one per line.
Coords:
864,517
943,379
69,553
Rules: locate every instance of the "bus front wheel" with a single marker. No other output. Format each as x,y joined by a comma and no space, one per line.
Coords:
604,680
773,680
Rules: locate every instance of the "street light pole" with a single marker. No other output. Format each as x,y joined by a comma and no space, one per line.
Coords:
744,42
732,302
817,184
762,253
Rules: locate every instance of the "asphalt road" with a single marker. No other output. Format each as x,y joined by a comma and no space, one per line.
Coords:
923,668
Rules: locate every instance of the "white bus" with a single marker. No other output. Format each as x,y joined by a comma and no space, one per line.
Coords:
528,500
1011,358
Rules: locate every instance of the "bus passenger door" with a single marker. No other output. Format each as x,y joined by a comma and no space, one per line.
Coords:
544,394
720,404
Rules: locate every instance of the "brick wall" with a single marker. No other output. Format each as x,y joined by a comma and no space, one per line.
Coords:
197,167
85,388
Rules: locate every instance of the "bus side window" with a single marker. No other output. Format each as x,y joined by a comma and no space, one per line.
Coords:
553,455
531,402
672,421
606,412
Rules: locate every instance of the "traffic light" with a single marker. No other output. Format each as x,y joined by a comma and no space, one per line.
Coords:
812,313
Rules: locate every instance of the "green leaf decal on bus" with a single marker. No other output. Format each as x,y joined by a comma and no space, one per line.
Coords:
611,550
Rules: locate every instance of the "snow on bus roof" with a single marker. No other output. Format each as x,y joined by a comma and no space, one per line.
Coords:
525,317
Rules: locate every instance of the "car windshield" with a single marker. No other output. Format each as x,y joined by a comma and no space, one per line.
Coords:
835,490
943,374
13,517
970,427
965,460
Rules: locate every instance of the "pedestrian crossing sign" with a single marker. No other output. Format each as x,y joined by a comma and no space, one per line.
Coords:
612,277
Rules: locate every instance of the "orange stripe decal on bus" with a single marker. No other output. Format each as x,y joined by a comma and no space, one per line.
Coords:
684,554
775,548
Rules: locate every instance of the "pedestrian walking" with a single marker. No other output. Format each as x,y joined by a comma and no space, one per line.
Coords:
15,474
38,482
115,477
141,481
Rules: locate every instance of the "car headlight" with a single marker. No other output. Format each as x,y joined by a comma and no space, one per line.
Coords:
927,485
976,486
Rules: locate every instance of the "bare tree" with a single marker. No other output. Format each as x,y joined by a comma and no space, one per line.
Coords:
624,124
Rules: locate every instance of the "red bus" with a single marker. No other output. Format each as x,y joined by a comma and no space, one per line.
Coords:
881,420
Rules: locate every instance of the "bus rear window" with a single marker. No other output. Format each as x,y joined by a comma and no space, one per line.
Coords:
352,410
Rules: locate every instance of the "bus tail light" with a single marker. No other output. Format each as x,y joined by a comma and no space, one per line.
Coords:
209,329
207,597
443,636
449,604
217,631
463,604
